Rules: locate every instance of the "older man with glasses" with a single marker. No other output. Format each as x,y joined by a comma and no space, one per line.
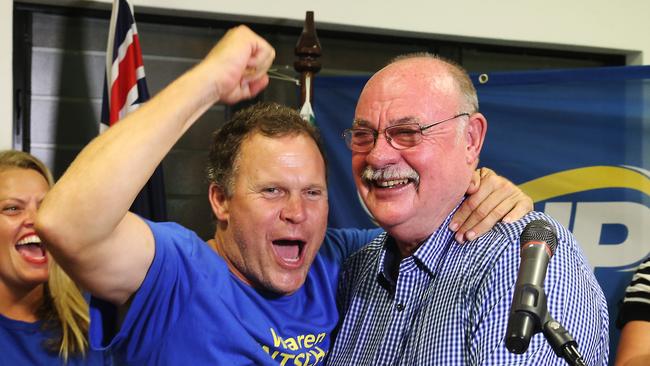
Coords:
414,296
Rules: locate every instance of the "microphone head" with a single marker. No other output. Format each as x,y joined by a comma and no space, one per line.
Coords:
539,230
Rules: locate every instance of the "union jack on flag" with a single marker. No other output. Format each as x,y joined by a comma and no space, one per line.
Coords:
125,86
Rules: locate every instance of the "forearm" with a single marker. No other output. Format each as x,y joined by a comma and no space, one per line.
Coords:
84,219
634,344
96,191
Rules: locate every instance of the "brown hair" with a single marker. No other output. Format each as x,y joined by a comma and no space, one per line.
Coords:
268,119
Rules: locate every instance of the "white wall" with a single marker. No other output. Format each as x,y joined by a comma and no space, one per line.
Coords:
590,25
6,75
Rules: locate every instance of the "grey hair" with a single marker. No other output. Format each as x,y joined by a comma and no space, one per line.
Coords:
457,72
469,104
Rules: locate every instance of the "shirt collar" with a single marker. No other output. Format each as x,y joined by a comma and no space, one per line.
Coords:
426,257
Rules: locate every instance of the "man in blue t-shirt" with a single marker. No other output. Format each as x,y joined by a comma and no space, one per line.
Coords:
262,291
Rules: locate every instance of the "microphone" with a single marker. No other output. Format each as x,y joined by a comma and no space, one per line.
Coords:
528,311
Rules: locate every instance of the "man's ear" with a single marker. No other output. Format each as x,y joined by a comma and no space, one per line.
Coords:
219,202
475,136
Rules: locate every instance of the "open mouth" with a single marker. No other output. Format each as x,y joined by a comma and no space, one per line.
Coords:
290,251
389,177
393,183
32,249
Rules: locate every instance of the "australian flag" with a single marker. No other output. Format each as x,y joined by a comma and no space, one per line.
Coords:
125,88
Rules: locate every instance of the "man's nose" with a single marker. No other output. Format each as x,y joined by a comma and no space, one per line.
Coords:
382,152
294,209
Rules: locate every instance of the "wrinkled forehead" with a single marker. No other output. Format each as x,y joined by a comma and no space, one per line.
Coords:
415,88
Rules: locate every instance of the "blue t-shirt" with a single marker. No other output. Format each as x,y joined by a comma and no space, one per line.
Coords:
22,343
191,310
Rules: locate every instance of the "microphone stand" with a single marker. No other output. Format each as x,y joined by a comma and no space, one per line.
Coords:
562,343
534,318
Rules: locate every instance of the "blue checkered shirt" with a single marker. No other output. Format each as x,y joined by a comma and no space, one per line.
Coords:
449,303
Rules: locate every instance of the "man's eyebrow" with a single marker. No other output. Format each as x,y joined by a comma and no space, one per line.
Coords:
404,120
399,121
360,123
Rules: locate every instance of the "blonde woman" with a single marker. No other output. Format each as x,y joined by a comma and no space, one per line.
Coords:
43,316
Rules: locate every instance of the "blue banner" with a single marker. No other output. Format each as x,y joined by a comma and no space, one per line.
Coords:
336,98
577,141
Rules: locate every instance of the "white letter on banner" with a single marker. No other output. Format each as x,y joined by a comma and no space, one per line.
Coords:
590,217
560,211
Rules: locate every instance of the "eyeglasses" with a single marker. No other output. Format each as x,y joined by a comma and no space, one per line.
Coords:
400,137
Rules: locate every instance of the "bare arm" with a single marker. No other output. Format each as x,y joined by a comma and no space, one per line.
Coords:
634,344
491,198
84,218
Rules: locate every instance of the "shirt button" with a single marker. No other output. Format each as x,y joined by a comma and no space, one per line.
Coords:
400,307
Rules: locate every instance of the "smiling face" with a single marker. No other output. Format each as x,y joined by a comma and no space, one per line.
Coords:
271,227
411,191
23,260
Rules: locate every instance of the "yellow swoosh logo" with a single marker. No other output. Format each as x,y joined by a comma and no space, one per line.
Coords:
585,179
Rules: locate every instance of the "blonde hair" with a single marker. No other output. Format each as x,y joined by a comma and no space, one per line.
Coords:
64,310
